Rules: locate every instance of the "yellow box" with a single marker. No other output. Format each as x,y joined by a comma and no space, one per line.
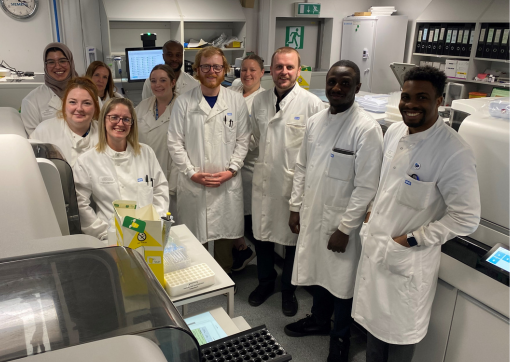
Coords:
141,230
362,13
305,78
234,44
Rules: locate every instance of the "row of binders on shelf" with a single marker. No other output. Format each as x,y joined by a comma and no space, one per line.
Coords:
493,41
445,39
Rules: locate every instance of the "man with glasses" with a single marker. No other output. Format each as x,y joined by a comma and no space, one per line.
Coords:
279,116
173,55
208,139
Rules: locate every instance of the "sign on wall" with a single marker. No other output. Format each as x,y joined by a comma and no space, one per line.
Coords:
294,37
307,9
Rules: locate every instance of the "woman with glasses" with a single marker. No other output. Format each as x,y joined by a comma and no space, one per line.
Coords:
44,101
118,168
74,130
101,75
153,117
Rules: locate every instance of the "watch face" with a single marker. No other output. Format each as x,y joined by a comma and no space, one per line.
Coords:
20,9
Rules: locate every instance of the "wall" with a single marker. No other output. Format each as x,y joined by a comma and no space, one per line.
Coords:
23,41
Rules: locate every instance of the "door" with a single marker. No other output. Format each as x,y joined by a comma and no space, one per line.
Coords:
357,46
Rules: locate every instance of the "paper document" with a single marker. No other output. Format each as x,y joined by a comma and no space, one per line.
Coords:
205,328
196,44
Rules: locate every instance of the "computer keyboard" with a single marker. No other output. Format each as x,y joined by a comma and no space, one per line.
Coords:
254,345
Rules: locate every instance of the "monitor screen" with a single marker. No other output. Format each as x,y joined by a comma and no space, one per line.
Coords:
500,258
140,62
205,328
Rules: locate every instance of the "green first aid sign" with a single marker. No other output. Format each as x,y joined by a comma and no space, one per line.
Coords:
307,9
294,37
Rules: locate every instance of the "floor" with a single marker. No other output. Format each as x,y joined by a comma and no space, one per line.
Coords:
305,349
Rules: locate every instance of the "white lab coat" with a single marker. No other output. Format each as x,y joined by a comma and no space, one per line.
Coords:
201,139
332,191
251,157
155,133
107,98
279,137
57,132
110,175
39,105
184,83
395,285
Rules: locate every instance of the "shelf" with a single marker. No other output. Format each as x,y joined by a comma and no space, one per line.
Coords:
442,56
224,49
504,85
493,60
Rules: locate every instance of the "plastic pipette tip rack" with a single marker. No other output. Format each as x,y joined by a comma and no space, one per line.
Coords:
254,345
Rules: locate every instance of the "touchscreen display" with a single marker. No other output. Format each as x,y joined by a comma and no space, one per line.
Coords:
205,328
500,258
141,62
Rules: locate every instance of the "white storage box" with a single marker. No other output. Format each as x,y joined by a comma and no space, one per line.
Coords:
451,68
188,279
462,69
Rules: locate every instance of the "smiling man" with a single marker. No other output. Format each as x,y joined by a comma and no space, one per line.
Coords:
278,118
335,178
428,194
208,139
173,55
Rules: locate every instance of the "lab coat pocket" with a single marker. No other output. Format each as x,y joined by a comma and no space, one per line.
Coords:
340,166
399,259
229,129
144,195
294,134
331,217
416,194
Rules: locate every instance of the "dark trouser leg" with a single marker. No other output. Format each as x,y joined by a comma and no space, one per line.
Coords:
323,305
265,263
288,264
248,228
343,319
223,254
379,351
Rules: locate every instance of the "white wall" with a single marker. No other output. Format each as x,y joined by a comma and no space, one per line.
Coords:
23,41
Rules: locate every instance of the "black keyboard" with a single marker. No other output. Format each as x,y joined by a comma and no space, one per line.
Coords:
254,345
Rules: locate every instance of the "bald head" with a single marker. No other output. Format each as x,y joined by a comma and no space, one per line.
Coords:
173,55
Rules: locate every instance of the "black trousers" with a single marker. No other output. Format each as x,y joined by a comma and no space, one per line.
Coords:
325,304
379,351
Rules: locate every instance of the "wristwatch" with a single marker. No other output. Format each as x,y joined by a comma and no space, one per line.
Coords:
234,172
411,240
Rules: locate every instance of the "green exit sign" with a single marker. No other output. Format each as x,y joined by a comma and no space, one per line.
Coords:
307,9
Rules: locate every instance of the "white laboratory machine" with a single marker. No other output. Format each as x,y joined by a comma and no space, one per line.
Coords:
470,314
373,42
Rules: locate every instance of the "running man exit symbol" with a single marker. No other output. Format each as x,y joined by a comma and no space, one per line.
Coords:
294,37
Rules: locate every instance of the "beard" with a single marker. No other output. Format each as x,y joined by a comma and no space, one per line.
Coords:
216,84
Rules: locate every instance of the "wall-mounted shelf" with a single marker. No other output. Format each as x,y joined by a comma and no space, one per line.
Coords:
504,85
441,56
223,49
493,60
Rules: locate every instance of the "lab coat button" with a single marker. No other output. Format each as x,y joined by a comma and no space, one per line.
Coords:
394,167
401,148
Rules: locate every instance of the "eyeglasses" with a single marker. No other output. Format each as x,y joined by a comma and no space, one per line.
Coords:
115,119
207,67
52,63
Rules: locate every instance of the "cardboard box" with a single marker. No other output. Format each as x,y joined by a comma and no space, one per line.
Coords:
451,68
234,44
462,69
305,78
248,3
362,13
141,230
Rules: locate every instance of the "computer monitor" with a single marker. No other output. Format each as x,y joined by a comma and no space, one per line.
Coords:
140,61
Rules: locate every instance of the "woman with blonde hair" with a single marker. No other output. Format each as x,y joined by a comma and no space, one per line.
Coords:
118,168
101,75
74,130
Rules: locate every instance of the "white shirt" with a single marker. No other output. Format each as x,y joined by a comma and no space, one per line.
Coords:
109,176
331,191
251,157
201,139
57,132
39,105
279,137
155,133
395,285
184,84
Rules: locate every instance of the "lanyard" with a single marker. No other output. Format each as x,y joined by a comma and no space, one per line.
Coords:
156,112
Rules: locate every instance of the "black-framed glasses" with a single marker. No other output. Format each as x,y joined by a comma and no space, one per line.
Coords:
52,63
115,119
207,67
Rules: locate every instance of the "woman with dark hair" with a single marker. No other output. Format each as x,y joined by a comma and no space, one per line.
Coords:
74,130
44,101
153,119
118,168
101,75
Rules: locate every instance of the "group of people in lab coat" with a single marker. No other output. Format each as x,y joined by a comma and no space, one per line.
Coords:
362,218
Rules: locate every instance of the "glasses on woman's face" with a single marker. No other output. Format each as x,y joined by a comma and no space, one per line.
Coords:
205,68
115,119
52,63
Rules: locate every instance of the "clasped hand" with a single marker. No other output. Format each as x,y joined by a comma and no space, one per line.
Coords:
211,179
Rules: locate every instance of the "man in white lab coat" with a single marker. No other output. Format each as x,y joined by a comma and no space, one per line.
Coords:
208,139
335,179
173,55
428,194
278,118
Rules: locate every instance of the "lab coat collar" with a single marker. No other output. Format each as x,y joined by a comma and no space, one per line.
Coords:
119,155
181,83
55,102
79,141
417,137
287,98
343,115
219,107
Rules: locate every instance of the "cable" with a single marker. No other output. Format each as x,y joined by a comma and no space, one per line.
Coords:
4,64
